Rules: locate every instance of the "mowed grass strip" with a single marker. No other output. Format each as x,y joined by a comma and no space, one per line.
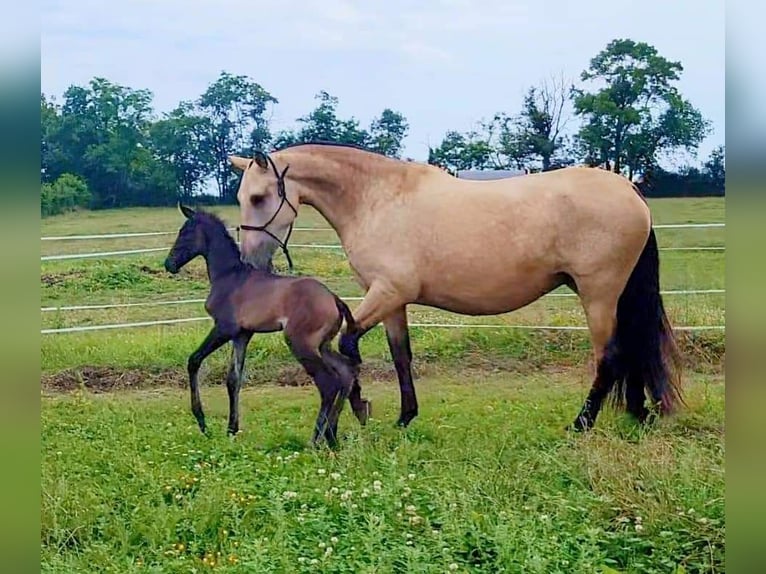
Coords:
485,480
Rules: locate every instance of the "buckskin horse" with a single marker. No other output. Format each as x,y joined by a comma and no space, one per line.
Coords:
416,235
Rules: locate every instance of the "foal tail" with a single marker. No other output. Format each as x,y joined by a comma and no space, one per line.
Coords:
345,313
645,340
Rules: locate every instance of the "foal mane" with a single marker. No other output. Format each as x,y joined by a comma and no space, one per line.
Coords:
217,227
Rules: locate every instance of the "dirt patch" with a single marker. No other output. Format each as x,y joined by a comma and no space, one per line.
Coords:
702,354
106,379
51,279
152,270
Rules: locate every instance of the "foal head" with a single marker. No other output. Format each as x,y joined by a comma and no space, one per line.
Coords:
190,243
204,234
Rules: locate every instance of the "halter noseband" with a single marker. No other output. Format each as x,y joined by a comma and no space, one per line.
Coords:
283,197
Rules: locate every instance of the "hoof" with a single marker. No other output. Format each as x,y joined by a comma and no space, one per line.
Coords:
405,420
579,425
365,412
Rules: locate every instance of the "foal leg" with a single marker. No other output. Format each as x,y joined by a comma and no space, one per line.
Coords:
346,371
346,379
214,340
602,320
234,378
325,380
398,337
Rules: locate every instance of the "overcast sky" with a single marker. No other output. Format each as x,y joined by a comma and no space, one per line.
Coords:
445,64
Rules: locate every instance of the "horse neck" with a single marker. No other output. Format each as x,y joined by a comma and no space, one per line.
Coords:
341,184
222,257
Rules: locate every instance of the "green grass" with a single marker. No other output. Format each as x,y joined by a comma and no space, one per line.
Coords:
496,486
485,480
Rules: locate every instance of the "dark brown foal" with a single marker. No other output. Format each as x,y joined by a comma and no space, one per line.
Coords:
244,300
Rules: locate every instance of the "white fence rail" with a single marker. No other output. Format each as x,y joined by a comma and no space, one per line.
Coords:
349,298
158,233
85,328
292,245
332,246
417,325
148,234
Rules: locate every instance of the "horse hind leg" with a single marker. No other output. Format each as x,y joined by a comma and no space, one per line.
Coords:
602,319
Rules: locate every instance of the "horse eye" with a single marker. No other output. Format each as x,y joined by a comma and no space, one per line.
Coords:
256,200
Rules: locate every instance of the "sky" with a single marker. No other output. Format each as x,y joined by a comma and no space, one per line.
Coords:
444,64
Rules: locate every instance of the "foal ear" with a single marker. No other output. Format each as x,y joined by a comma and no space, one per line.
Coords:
187,211
261,159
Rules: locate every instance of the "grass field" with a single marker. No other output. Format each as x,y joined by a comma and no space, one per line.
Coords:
484,480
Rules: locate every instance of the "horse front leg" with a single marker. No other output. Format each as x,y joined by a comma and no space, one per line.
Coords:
398,337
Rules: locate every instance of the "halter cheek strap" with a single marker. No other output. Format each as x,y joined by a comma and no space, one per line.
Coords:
283,200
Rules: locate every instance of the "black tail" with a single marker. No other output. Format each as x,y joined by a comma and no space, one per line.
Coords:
345,312
646,345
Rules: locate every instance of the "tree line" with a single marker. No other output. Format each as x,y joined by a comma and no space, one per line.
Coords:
103,145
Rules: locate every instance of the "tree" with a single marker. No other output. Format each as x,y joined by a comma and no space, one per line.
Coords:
50,153
101,134
235,107
536,134
323,124
180,140
387,133
635,113
715,167
459,152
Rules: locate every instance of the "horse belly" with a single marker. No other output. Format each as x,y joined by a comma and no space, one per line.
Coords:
487,296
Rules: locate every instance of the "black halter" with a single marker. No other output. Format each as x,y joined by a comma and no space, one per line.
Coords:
283,199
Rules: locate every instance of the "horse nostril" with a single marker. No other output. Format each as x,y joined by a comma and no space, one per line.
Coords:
169,265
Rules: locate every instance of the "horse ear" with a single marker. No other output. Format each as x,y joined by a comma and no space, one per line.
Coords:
261,159
187,211
239,163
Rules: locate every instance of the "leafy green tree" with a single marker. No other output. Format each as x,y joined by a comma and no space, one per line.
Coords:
635,113
235,107
100,133
536,134
459,152
50,151
323,124
180,141
387,133
715,167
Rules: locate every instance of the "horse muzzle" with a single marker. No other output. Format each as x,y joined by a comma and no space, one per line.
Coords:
258,249
171,266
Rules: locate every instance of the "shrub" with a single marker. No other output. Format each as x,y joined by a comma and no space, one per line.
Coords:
67,193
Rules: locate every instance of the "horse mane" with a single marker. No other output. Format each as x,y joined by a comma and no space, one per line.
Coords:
331,144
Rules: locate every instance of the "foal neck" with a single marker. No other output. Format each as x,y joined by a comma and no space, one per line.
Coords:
222,256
